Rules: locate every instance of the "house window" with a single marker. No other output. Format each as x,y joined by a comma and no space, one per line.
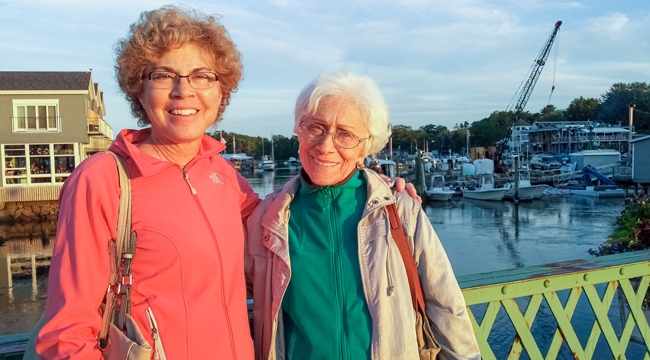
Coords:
36,115
38,164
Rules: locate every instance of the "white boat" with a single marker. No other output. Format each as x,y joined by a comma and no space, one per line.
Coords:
293,162
485,190
526,190
438,191
267,164
599,192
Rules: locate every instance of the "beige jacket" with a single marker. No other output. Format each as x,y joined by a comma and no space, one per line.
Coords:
268,269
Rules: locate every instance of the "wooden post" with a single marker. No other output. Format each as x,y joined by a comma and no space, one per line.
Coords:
5,274
34,284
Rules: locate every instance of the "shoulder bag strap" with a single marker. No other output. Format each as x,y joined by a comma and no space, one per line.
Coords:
407,257
123,241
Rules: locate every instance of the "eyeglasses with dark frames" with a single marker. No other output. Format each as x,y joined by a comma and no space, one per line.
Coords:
342,138
199,80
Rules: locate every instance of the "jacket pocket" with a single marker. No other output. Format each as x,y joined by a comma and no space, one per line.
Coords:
375,230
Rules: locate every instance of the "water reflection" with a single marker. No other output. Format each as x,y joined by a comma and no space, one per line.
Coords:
481,236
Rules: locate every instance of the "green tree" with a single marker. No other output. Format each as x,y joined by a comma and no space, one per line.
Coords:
492,129
285,147
551,113
582,109
615,103
405,138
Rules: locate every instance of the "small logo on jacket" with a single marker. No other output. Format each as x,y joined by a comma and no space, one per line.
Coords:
216,179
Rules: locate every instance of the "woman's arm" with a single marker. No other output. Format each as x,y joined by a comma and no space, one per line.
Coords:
79,269
252,199
445,305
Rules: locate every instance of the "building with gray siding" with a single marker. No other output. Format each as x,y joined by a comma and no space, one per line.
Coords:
49,123
641,160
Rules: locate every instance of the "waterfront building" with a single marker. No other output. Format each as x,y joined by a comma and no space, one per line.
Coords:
55,120
641,160
573,136
518,142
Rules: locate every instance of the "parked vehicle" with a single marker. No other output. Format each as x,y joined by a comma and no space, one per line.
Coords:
544,162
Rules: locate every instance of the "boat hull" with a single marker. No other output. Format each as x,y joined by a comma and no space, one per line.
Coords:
527,192
489,195
601,194
444,195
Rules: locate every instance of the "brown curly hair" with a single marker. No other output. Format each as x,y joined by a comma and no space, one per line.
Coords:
171,27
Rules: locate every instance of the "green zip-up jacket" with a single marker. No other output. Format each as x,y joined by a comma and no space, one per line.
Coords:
326,287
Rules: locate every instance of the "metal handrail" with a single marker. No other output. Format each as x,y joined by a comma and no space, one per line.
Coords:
616,273
500,290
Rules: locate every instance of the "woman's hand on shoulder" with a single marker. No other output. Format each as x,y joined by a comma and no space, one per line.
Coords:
401,185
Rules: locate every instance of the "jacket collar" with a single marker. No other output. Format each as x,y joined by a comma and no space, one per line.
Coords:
124,145
277,214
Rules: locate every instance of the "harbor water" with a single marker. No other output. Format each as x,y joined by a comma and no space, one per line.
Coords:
478,236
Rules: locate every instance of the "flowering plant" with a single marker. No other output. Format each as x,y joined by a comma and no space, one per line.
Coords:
632,230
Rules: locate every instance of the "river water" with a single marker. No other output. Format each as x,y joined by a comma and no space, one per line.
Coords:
478,236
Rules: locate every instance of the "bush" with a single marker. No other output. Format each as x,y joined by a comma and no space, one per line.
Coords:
632,230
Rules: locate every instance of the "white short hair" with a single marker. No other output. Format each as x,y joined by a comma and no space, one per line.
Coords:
362,90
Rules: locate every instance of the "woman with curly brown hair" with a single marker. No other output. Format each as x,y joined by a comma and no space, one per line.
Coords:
178,68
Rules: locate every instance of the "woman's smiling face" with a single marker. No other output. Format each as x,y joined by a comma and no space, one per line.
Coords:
324,161
181,114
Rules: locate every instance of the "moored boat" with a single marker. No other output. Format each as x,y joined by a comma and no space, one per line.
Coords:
485,190
438,191
527,191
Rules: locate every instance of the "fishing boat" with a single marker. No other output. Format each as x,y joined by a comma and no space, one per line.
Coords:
267,164
485,190
438,191
527,191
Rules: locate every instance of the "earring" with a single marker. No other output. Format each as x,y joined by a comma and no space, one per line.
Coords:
360,166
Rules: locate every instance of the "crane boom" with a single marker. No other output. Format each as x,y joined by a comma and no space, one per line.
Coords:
536,70
527,89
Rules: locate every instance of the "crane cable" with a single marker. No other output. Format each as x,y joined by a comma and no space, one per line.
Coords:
557,45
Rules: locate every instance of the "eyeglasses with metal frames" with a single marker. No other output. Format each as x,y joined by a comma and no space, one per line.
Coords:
200,80
342,138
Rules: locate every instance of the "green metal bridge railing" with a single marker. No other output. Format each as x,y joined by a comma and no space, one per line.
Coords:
554,290
598,280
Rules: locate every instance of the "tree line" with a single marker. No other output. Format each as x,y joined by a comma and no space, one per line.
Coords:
611,108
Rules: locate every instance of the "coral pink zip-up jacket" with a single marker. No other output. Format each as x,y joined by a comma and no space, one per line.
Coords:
188,266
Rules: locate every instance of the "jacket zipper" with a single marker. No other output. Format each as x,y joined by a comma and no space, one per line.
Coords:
187,178
365,292
214,238
344,352
159,352
276,318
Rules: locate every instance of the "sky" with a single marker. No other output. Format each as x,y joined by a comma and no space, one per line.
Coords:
436,62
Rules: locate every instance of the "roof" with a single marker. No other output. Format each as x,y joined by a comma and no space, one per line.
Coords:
641,138
606,130
44,80
521,122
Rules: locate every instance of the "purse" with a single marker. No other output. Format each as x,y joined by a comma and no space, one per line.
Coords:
428,348
119,337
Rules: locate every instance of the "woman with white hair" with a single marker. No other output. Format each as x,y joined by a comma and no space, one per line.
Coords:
327,276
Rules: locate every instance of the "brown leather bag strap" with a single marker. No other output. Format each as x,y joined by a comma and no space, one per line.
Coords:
407,257
120,245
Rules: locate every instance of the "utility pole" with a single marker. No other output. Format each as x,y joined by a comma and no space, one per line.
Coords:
629,143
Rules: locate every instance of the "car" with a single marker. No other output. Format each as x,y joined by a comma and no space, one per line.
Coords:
544,162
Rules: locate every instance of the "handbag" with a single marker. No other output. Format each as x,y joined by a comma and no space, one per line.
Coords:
119,337
428,348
